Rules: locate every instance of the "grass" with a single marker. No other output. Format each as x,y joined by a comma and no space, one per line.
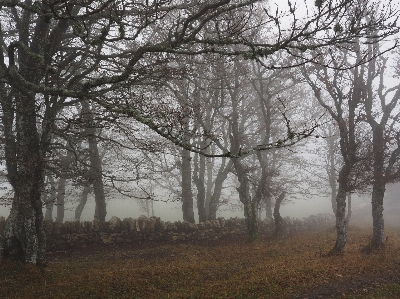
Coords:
285,268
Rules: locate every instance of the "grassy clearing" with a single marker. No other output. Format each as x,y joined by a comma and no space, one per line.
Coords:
268,269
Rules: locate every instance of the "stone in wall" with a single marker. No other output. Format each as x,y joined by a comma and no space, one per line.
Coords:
62,236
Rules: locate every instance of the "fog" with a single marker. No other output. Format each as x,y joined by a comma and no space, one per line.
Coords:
171,211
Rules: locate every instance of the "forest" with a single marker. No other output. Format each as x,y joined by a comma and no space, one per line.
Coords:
263,101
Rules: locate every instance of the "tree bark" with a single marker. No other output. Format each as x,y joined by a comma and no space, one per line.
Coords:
209,188
268,207
216,195
378,190
96,171
277,215
82,202
60,199
250,206
341,232
187,196
198,178
331,171
23,237
50,200
349,209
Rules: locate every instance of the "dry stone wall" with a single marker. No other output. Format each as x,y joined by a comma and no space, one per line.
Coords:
62,236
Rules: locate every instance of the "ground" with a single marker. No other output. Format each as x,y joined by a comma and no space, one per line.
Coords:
292,267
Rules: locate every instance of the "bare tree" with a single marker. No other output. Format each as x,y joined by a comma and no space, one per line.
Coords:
58,53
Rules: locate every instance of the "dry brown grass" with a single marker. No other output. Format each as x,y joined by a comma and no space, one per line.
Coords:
286,268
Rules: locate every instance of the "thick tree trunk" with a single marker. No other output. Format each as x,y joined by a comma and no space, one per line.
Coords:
82,203
187,196
23,237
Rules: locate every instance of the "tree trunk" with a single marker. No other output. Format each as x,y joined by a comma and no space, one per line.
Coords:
250,215
268,207
198,178
50,200
341,231
378,189
210,166
250,206
60,199
82,203
96,171
216,195
331,171
277,214
23,238
349,211
378,232
187,197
